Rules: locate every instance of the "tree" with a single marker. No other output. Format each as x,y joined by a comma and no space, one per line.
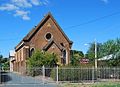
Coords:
107,48
4,62
112,47
38,59
1,59
76,56
91,51
6,65
50,59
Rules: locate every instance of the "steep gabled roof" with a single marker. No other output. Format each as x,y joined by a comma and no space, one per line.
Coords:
49,15
34,30
47,46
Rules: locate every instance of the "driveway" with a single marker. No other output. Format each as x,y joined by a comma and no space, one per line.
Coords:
15,80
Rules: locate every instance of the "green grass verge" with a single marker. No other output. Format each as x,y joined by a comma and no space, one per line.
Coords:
106,84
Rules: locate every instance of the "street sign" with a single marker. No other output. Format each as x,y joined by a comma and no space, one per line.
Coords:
84,61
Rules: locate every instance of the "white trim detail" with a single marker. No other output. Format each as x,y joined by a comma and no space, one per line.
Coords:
46,34
20,45
32,48
66,56
26,46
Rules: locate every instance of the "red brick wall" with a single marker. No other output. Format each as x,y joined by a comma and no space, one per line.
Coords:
38,41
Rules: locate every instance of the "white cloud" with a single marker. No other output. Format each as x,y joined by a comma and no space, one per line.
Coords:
105,1
40,2
35,2
8,7
21,3
23,14
20,7
45,2
25,17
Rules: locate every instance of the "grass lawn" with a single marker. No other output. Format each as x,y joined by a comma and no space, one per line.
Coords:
106,84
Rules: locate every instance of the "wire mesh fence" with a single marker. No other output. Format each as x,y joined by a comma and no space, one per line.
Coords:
41,75
88,74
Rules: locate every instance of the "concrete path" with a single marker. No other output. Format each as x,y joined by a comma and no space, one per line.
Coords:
15,80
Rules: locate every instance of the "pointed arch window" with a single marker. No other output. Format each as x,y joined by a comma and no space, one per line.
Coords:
64,57
32,51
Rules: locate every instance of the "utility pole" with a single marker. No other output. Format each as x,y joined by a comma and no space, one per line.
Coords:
95,54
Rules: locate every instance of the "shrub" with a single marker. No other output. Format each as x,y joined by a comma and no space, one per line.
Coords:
53,74
34,71
6,66
74,74
38,59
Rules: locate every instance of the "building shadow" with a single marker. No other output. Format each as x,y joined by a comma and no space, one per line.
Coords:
5,77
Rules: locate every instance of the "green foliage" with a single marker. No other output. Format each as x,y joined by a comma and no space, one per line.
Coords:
108,84
38,59
107,48
112,47
75,74
91,51
6,65
4,62
53,74
76,56
1,59
50,59
115,61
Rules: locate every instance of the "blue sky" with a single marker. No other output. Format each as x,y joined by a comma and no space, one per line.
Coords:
18,17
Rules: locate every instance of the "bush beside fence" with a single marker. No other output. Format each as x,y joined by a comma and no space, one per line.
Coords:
77,74
74,74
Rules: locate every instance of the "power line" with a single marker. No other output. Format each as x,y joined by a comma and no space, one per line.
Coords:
94,20
73,26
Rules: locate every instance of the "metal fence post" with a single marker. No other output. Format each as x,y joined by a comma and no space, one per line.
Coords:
0,75
57,74
43,71
93,74
114,73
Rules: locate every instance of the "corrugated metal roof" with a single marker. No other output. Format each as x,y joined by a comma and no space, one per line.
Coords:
108,57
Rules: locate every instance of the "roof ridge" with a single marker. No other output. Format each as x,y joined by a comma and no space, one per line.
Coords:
50,43
34,30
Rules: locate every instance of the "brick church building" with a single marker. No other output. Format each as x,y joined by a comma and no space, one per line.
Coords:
46,36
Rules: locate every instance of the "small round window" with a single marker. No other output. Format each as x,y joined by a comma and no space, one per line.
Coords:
48,36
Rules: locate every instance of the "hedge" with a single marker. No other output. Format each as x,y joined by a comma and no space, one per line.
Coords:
73,74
